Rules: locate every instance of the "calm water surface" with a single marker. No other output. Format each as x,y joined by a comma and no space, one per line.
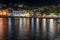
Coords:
32,29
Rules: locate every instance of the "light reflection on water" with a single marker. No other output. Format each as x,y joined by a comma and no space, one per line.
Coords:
51,29
59,28
51,25
9,28
44,29
44,25
32,25
1,29
37,24
20,28
20,25
29,29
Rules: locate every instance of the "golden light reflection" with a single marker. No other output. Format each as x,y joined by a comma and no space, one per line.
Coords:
3,28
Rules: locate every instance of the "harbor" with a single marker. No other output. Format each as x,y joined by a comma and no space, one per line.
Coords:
30,24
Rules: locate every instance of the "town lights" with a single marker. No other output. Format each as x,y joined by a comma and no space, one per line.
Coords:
44,15
4,12
26,14
53,15
0,12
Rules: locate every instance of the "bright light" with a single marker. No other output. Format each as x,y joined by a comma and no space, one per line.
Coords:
27,14
53,15
44,15
0,12
4,12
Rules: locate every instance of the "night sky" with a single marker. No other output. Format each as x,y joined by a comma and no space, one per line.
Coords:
32,2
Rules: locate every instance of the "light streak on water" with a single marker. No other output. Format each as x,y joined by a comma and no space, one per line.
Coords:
9,28
25,25
20,35
59,29
51,29
44,25
58,26
20,25
1,28
37,24
51,25
32,24
37,29
9,23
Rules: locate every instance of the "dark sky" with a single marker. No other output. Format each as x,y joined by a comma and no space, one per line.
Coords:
32,2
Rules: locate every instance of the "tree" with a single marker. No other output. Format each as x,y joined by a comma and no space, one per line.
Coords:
55,11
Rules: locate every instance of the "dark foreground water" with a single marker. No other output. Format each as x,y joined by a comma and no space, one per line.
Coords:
32,29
